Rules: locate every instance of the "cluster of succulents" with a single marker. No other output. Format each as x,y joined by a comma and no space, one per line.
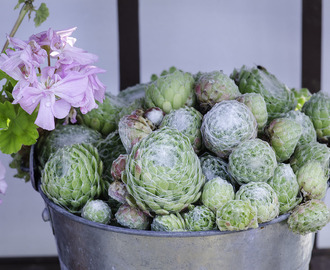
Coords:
195,152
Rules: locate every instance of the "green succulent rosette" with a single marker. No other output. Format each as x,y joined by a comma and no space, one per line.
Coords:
165,72
216,193
72,176
308,133
97,211
278,97
236,215
252,161
168,223
284,182
312,180
226,125
263,197
132,217
308,152
163,173
64,135
309,217
200,218
284,135
188,121
171,91
258,107
318,110
301,95
213,87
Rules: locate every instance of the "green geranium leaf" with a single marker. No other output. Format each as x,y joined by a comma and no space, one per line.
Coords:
17,128
42,14
4,75
19,3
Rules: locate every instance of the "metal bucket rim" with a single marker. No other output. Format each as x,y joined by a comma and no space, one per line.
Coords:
123,230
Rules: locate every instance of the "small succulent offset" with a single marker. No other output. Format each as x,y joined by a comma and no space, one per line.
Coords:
301,95
284,182
163,173
97,211
188,121
168,223
309,217
216,193
252,161
117,191
284,135
72,176
236,215
318,110
199,218
171,91
118,167
263,197
226,125
213,87
132,217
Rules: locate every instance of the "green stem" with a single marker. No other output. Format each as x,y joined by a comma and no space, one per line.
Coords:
25,9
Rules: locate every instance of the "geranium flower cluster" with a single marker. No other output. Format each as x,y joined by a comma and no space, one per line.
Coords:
53,76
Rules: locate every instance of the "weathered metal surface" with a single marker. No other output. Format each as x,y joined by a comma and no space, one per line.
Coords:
86,245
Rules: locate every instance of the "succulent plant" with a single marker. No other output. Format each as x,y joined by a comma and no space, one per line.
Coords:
133,93
72,176
308,152
171,91
308,133
258,107
97,211
117,191
188,121
278,97
309,217
168,223
252,161
236,215
163,173
199,218
284,135
312,180
172,69
216,193
301,95
263,197
65,135
284,182
318,110
109,149
118,167
213,87
213,167
132,217
226,125
132,128
155,115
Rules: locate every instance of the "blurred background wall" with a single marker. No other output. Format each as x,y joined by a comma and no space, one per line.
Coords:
193,35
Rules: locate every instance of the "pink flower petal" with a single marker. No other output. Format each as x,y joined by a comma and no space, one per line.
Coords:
61,109
45,118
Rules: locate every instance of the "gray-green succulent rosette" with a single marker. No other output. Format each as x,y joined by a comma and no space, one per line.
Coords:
284,135
278,97
132,217
171,91
199,218
216,193
97,211
226,125
309,217
252,161
168,223
163,173
318,110
236,215
258,107
285,184
72,176
263,197
213,87
188,121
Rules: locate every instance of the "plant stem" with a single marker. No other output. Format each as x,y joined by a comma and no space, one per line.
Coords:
25,9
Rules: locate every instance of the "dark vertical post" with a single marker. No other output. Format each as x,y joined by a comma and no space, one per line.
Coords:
311,44
129,51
